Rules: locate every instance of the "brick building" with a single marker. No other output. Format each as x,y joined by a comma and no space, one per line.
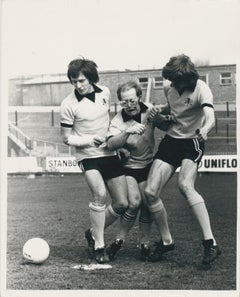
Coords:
50,90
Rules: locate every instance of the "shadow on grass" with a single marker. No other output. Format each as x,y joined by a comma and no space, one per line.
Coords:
70,253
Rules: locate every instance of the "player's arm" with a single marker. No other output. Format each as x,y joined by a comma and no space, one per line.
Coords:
162,109
119,140
80,141
160,117
163,122
209,123
206,101
75,140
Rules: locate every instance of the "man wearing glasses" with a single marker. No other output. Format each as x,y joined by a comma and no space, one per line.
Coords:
132,132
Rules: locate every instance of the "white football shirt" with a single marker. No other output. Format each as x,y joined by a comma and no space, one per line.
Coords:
187,108
88,118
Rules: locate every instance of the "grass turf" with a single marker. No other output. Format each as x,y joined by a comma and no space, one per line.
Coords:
56,209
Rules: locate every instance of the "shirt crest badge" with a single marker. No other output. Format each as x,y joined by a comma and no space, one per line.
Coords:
188,101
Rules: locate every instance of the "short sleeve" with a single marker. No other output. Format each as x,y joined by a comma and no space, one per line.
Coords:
66,115
205,94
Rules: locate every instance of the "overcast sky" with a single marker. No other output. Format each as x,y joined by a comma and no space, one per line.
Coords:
42,36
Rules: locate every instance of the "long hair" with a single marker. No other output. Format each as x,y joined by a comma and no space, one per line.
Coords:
86,67
181,68
127,86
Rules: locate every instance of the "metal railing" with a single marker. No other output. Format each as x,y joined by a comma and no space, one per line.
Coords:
225,129
21,139
37,147
50,149
148,93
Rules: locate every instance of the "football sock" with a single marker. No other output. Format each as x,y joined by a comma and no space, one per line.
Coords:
97,217
144,229
161,220
201,213
126,223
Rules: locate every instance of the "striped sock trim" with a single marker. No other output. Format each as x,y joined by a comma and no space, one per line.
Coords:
97,208
129,217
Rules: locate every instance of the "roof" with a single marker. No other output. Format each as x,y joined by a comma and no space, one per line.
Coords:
62,77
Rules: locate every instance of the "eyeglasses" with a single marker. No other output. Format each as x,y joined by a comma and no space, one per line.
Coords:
130,101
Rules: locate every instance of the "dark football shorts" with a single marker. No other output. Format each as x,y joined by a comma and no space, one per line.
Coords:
109,166
140,174
174,150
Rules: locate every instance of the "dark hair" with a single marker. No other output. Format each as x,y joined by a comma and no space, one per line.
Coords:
181,68
86,67
127,86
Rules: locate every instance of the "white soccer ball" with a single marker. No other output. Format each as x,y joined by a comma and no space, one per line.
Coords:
36,250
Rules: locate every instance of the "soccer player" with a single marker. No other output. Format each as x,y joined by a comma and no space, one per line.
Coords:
84,125
191,102
132,132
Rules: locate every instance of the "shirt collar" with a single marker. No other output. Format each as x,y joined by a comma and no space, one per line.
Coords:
90,96
137,117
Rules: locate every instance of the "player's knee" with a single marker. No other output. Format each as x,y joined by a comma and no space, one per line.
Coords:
151,197
134,203
133,207
120,207
185,187
100,197
100,200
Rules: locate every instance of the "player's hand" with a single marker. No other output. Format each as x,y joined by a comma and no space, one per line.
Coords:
153,112
136,129
98,140
123,154
164,122
201,135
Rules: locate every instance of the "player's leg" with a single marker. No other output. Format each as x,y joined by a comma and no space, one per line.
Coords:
129,216
145,225
186,181
97,211
117,188
159,175
116,183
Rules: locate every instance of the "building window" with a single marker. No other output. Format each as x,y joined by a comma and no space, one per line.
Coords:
226,78
204,77
143,81
158,82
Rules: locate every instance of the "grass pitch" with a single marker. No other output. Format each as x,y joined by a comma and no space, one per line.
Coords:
56,209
